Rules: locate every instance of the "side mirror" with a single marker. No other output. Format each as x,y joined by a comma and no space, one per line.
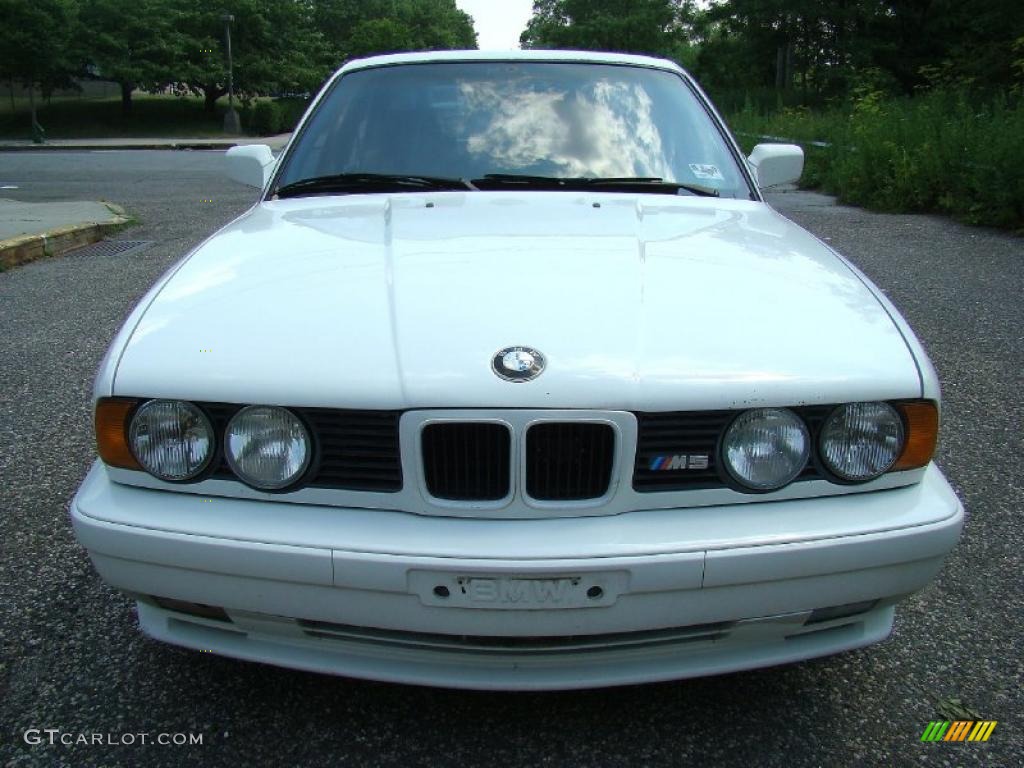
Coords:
776,164
250,164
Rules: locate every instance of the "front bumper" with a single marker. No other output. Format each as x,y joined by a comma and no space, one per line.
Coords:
685,592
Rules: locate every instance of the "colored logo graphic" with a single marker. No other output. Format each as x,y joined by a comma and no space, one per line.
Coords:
679,461
959,730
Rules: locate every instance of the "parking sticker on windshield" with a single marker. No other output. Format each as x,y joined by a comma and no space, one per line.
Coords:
704,171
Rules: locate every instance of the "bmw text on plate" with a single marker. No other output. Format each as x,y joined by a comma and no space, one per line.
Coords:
430,411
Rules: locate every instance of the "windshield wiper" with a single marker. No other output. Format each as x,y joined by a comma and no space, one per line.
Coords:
654,181
529,179
349,182
643,183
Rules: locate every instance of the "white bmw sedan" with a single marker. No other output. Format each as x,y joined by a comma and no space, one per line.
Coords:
511,379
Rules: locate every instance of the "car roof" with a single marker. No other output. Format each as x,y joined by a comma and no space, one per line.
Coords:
592,57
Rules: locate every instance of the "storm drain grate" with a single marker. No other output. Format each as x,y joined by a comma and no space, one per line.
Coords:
113,248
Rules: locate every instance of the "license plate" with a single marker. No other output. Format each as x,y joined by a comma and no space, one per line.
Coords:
518,592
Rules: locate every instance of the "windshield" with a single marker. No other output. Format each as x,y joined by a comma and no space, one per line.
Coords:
469,120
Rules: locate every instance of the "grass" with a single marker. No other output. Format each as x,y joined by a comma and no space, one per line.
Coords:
938,152
78,117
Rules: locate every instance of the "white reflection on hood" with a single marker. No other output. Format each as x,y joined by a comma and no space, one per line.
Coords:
605,130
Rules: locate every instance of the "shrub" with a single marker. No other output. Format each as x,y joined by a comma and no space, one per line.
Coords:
936,152
265,118
291,111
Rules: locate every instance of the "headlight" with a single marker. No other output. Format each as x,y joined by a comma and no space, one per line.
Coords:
766,448
861,441
171,439
267,447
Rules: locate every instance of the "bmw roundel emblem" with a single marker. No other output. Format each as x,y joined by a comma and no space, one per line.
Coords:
518,364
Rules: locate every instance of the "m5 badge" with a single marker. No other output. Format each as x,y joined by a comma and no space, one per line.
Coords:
679,461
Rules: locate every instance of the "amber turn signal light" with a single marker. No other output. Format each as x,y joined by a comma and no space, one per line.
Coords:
922,419
112,431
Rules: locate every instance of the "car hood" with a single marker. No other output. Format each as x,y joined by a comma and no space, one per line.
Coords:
638,302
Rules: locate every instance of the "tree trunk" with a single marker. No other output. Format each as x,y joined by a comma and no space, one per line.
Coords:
790,67
211,93
11,87
37,133
126,98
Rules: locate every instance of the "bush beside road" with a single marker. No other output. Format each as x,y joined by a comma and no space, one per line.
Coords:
152,116
938,152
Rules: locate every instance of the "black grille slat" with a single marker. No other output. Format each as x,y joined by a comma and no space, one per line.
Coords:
569,461
358,449
467,461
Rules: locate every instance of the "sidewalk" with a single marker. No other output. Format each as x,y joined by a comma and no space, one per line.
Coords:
30,231
78,145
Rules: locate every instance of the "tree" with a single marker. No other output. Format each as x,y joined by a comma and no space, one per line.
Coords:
950,42
823,49
34,40
132,42
275,47
656,27
364,27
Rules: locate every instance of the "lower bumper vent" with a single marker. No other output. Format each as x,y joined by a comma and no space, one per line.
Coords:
517,645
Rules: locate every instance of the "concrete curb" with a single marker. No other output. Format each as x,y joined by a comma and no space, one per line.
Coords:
55,242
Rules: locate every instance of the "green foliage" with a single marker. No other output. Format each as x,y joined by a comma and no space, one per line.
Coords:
1017,66
278,46
34,41
355,28
631,26
78,117
264,118
275,47
936,152
291,111
378,36
132,42
805,50
821,49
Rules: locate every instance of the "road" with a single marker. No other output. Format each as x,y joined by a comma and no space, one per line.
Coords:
71,657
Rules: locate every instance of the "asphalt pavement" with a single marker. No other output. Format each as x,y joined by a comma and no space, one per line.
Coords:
71,657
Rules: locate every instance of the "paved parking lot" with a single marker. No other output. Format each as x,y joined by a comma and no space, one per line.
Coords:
71,658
